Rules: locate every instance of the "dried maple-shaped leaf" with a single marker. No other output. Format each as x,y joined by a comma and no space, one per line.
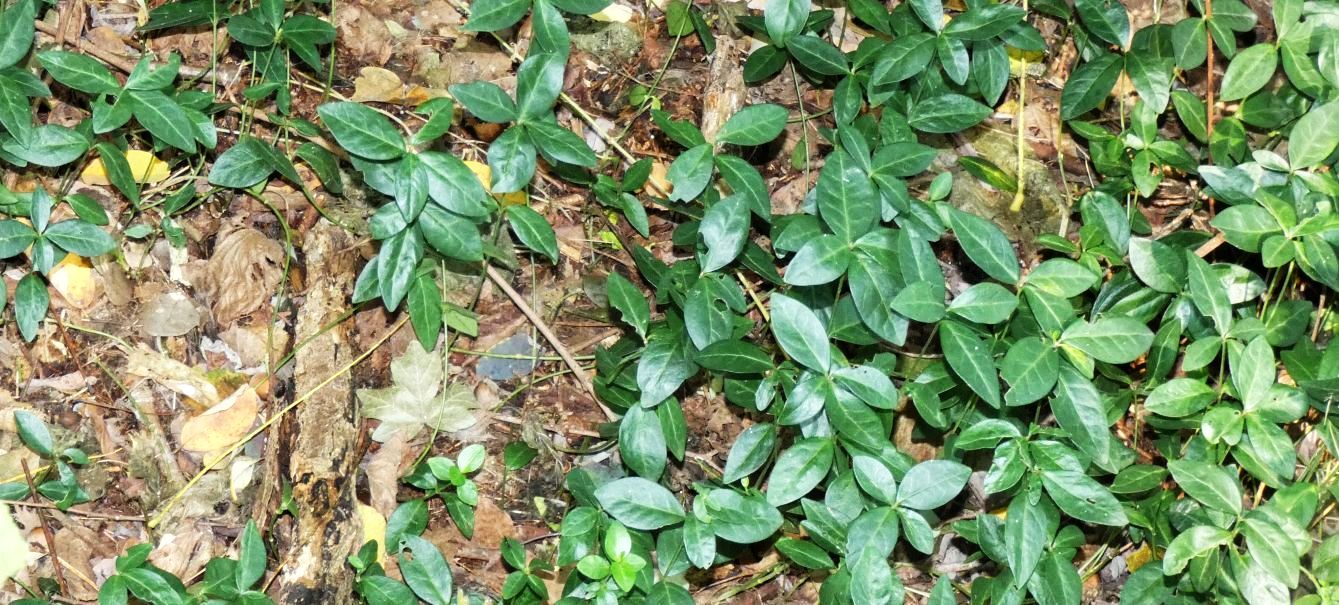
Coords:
417,398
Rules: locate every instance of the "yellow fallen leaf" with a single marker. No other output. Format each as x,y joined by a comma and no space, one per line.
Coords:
1138,557
485,174
374,528
614,13
144,167
74,279
222,425
1017,57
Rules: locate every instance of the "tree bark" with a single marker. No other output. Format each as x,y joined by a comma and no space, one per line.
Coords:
320,438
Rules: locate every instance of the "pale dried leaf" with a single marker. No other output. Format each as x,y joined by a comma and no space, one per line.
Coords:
172,374
414,400
223,424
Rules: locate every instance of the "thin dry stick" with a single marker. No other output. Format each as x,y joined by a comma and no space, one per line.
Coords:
121,63
501,282
214,462
46,531
74,511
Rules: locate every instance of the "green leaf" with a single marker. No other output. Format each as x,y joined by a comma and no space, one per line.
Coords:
970,359
932,484
724,230
804,553
1197,541
1249,71
162,117
986,246
820,261
382,590
151,587
539,81
34,434
450,235
818,55
741,519
1180,397
690,173
799,469
30,305
1158,265
641,442
639,503
1213,486
946,113
984,22
560,145
486,100
734,356
784,19
15,237
1089,85
16,31
362,131
242,165
1106,19
1062,277
986,434
749,452
427,573
1056,581
424,302
250,558
79,237
49,145
1314,136
800,333
80,72
754,125
1078,409
1028,527
846,199
533,231
930,12
1079,496
985,303
1272,549
1110,339
1208,293
902,159
512,160
1152,78
629,301
492,15
665,364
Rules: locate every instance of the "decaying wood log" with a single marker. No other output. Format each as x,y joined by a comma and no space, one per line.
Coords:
319,440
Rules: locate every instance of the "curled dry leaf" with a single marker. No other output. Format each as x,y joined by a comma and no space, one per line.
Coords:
172,374
243,273
380,85
417,398
222,425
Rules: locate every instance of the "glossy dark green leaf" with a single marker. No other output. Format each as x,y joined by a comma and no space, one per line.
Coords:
1213,486
750,451
1083,498
362,131
1106,19
970,360
639,503
1110,339
947,113
986,246
641,442
800,333
629,302
799,469
1089,85
818,55
1249,71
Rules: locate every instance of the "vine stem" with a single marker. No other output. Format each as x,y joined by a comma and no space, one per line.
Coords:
1019,120
543,327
